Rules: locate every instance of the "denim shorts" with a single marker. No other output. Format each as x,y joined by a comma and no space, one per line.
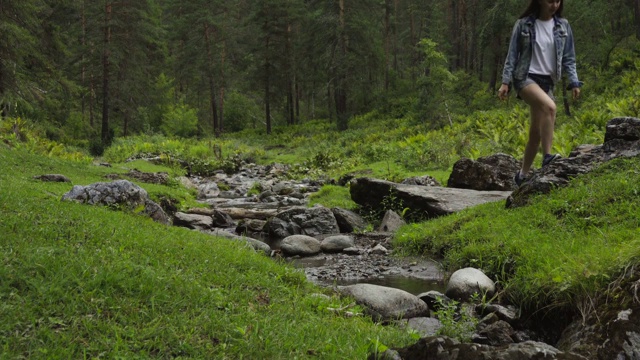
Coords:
544,81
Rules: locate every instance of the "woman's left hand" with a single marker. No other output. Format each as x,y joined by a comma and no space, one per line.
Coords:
576,92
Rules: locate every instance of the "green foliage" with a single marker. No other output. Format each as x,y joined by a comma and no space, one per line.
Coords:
240,112
457,323
180,120
333,196
564,246
434,86
131,288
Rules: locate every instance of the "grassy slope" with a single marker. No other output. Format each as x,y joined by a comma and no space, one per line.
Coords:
558,251
79,281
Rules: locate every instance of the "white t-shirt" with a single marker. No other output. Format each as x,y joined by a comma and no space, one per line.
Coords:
544,50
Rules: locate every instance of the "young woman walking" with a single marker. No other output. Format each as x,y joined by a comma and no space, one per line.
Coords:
541,47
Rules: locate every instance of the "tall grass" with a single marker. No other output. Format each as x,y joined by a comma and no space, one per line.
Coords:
563,247
79,281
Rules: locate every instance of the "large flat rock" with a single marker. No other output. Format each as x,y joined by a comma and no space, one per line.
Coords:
421,201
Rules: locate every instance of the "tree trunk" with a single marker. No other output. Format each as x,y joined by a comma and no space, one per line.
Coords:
340,91
636,11
105,74
212,87
267,82
289,74
387,45
223,57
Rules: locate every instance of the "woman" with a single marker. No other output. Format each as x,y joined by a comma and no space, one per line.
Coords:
541,47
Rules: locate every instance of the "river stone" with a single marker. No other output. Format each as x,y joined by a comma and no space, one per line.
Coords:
433,299
425,326
208,190
52,178
336,243
391,222
302,245
507,313
496,334
193,221
468,281
385,303
120,193
443,347
257,245
317,220
348,221
222,219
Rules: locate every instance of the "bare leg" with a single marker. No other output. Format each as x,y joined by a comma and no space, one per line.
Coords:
543,118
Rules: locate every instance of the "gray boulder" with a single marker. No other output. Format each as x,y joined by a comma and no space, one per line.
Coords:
493,172
193,221
391,222
120,193
465,282
302,221
348,221
422,202
301,245
425,326
336,243
384,303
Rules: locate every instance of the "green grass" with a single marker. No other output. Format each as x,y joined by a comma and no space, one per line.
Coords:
565,246
333,196
79,281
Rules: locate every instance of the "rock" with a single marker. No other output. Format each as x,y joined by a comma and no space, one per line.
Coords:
425,326
222,219
384,303
391,222
52,178
468,281
385,355
193,221
151,178
348,221
434,298
302,221
336,243
508,313
497,333
422,202
302,245
621,140
250,227
442,347
115,194
493,172
257,245
425,180
379,250
208,190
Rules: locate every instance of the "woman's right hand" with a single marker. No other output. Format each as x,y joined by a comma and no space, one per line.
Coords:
503,91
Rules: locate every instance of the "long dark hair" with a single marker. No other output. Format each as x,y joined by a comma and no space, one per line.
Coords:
534,9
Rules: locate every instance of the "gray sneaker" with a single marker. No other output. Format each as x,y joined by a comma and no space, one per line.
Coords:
518,178
549,158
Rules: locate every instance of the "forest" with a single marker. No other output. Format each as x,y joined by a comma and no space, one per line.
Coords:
90,71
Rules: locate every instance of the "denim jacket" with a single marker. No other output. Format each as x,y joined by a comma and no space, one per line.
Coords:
521,51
